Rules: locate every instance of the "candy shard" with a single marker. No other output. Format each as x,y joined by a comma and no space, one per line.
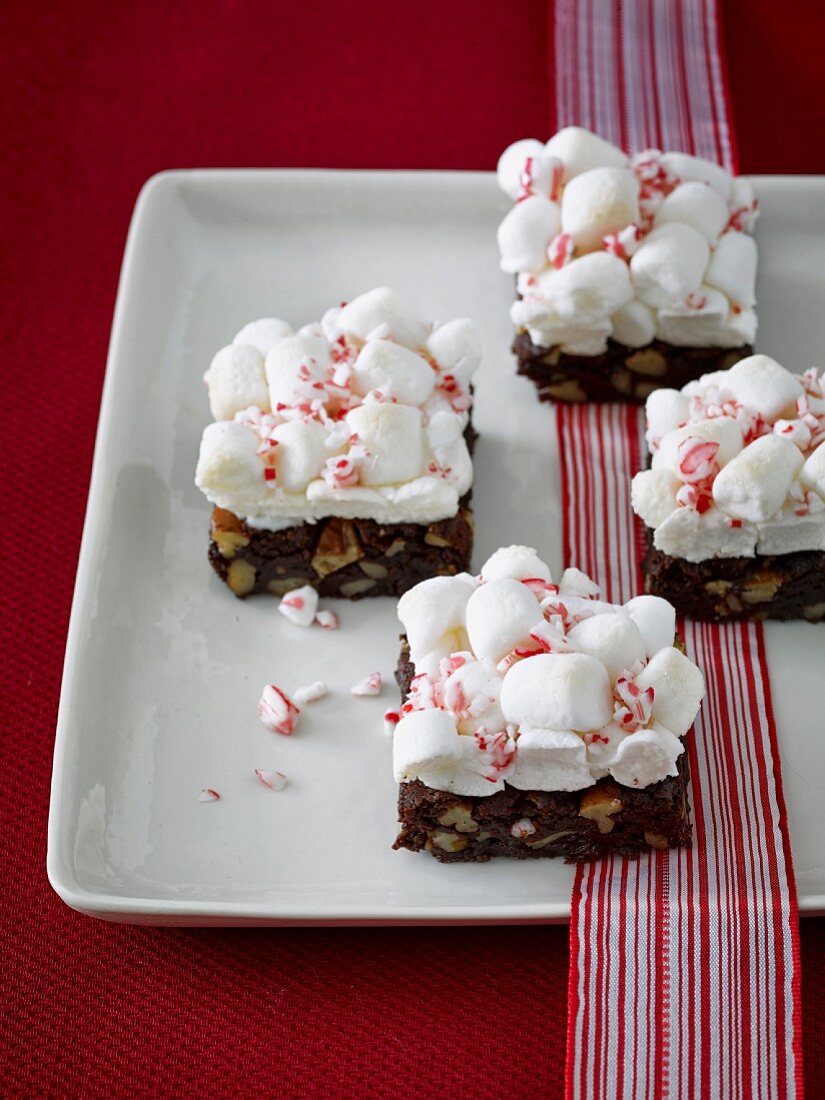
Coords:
311,693
276,781
327,619
208,795
299,605
370,685
277,711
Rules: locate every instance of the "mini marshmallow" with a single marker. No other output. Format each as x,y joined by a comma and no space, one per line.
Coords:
788,533
228,459
300,454
665,410
293,365
511,164
613,639
646,757
678,689
546,329
703,319
656,620
598,202
550,760
714,380
697,205
542,175
634,325
569,691
426,746
812,474
764,386
500,615
653,495
444,429
456,348
754,485
575,583
694,537
379,313
516,562
742,193
394,438
263,334
669,264
580,151
396,370
578,605
601,751
686,167
433,614
732,268
587,289
526,232
473,695
723,430
236,380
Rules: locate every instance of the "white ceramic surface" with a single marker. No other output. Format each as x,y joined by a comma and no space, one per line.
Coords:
164,667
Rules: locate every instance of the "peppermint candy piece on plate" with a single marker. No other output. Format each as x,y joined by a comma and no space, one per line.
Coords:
371,685
277,711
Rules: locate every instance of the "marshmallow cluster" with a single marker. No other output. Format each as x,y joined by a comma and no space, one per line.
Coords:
541,685
656,246
737,464
360,416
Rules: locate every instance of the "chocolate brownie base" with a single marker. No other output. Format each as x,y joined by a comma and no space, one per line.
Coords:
778,586
583,825
620,373
339,557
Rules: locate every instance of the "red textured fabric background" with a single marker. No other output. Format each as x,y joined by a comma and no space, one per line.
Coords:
95,97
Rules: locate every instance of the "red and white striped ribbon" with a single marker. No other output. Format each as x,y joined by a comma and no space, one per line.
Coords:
684,968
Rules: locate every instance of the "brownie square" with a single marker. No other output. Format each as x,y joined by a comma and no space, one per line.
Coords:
601,820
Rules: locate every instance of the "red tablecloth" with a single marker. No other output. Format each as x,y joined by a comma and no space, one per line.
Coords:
96,97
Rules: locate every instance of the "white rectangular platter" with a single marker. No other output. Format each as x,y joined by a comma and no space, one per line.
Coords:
164,667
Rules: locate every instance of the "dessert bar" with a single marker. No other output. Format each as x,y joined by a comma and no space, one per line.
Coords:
734,498
538,720
340,455
631,273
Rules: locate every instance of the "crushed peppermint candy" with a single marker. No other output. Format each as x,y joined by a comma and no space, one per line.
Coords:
277,711
311,693
208,795
391,720
560,250
522,829
328,620
300,605
499,753
633,707
276,781
624,243
371,685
